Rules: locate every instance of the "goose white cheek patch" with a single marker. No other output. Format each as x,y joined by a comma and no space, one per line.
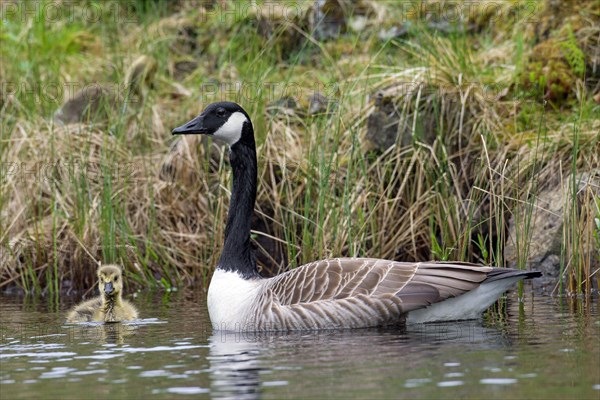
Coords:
231,131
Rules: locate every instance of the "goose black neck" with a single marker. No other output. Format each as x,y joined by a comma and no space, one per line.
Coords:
237,254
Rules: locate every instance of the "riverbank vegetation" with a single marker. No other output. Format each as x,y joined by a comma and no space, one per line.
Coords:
401,130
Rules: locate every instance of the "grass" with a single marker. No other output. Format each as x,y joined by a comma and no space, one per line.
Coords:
479,149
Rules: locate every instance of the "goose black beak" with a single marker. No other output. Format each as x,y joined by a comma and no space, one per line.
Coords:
108,288
194,126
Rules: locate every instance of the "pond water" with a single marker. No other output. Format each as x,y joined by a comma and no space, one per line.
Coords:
542,348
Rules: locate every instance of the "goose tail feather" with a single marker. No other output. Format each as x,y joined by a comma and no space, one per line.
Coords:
497,274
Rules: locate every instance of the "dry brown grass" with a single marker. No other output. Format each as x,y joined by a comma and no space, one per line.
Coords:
447,192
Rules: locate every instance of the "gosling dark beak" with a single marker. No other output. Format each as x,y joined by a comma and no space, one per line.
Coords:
108,288
194,126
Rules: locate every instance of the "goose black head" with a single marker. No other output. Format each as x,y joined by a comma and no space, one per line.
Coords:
224,120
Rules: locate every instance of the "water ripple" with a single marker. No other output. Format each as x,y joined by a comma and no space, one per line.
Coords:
452,364
42,346
274,383
43,355
90,372
154,373
187,390
159,348
498,381
57,372
450,383
100,356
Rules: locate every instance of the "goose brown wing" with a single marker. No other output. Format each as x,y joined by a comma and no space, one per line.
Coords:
416,285
358,292
335,293
338,278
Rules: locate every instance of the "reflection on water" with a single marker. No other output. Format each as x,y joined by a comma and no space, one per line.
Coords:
540,348
239,369
234,366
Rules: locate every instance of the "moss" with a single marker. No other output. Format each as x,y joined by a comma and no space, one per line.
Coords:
565,53
573,54
549,75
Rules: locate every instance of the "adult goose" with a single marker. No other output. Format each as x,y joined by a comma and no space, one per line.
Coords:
327,294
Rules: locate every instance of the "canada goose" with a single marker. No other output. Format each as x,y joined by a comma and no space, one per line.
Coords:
327,294
109,306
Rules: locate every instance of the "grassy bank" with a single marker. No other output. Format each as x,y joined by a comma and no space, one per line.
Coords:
494,111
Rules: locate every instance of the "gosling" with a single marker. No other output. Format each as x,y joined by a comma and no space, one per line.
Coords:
109,306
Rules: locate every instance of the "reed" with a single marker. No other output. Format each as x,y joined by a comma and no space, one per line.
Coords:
481,148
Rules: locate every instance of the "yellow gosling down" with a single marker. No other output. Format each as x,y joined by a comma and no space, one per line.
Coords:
109,306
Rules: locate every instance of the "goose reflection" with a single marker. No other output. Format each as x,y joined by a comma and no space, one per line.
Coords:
102,333
241,364
234,365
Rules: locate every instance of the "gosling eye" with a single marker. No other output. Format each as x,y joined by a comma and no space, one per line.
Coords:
220,112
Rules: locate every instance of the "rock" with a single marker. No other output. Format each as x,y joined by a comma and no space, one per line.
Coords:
394,32
549,73
319,104
179,31
283,106
281,25
540,237
566,51
388,124
447,28
315,104
329,19
441,27
383,124
180,69
358,24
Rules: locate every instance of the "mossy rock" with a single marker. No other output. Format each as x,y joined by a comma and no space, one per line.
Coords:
549,74
566,54
330,18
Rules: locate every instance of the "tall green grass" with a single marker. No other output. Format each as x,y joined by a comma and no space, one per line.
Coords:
448,195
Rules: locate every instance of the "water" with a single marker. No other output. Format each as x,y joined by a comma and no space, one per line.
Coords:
540,348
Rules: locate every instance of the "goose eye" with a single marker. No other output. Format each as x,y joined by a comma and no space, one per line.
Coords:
220,112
